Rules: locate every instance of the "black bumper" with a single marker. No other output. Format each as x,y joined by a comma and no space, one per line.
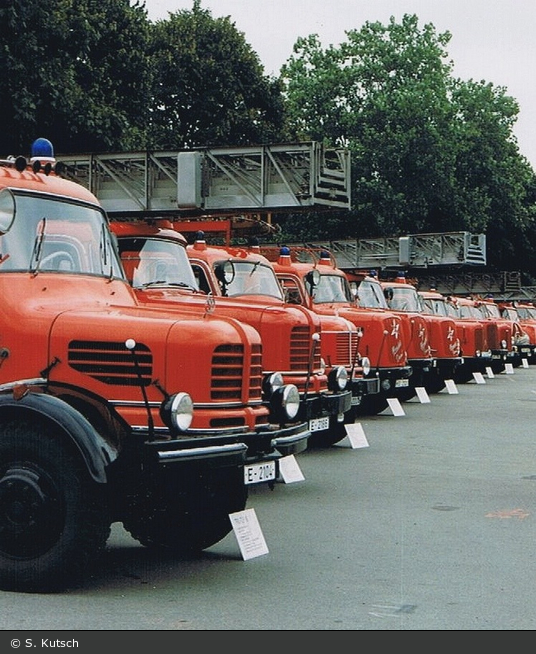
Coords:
291,440
325,405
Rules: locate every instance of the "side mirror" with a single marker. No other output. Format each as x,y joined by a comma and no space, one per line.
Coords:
313,278
7,210
225,272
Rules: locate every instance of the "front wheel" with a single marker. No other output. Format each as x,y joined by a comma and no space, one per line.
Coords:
187,513
53,517
331,436
372,405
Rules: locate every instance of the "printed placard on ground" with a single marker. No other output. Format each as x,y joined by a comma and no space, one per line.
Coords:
479,377
355,437
489,372
395,406
423,396
289,470
508,369
525,363
451,387
248,534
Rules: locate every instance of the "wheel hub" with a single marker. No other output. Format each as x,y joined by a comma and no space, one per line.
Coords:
29,514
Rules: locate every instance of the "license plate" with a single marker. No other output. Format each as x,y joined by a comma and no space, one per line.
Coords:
356,399
256,473
319,424
401,383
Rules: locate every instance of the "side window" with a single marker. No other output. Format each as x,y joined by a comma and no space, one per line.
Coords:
201,279
291,290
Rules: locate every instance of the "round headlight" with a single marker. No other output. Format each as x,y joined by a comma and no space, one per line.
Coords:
291,400
365,364
285,403
271,383
178,411
504,345
338,378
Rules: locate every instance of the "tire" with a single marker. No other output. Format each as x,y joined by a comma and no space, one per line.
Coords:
188,513
406,394
372,405
53,517
331,436
434,385
463,375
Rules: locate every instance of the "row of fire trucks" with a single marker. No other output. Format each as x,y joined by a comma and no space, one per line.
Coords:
150,378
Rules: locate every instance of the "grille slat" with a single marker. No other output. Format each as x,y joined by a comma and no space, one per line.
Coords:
110,362
228,373
300,349
346,348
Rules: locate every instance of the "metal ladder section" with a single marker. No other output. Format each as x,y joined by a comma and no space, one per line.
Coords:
414,250
215,180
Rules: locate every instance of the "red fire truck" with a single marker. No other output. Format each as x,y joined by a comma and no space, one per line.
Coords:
110,411
311,278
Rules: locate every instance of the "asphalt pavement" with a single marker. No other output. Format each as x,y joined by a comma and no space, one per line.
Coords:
427,523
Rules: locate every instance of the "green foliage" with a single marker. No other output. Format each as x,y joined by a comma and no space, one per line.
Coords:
209,86
75,72
430,153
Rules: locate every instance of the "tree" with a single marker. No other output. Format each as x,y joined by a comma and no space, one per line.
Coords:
209,86
74,71
430,153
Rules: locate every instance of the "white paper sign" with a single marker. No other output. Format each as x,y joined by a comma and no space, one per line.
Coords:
355,437
289,470
451,387
508,369
395,406
525,363
422,395
489,373
479,378
248,533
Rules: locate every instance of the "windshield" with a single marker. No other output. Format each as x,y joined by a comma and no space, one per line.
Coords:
526,313
510,314
404,299
60,235
330,288
156,262
434,306
253,278
490,310
370,295
470,311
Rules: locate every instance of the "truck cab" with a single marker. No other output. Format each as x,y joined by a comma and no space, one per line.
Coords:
470,331
235,284
312,278
501,335
523,314
110,411
434,351
322,382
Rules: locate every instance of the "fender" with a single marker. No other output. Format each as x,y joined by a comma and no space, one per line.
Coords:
95,451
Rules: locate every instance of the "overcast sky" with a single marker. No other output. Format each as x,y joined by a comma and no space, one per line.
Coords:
492,40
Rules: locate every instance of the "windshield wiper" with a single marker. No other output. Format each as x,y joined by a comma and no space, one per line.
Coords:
38,248
159,282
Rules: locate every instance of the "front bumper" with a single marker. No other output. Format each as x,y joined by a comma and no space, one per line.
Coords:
292,440
446,367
